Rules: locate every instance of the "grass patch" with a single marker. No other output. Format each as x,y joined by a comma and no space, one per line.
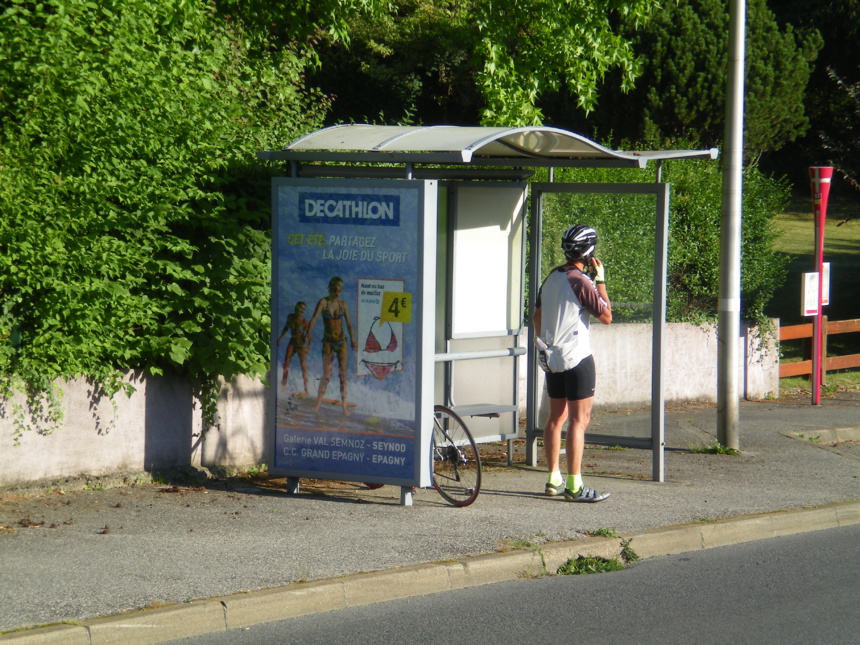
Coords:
587,564
715,449
813,438
516,544
607,533
627,553
835,382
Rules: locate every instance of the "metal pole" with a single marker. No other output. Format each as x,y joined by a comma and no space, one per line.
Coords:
658,397
728,363
820,177
816,320
486,353
532,394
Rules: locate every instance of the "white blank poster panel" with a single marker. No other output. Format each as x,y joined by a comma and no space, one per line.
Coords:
487,260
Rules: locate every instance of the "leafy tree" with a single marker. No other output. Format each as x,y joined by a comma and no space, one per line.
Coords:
694,246
300,22
831,109
133,234
681,92
479,60
531,47
838,21
413,64
843,148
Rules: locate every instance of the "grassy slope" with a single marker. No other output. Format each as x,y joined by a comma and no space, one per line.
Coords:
842,250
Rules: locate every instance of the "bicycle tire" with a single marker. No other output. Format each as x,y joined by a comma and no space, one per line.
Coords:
456,462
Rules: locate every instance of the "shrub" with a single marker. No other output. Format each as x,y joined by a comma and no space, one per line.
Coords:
625,226
134,228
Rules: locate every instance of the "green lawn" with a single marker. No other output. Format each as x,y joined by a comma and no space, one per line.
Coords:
842,250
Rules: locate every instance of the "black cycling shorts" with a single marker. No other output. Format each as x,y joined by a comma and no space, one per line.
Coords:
574,384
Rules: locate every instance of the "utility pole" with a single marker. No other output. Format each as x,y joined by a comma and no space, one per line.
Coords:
728,331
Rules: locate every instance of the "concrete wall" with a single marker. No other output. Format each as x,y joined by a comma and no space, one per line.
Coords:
156,428
622,354
159,426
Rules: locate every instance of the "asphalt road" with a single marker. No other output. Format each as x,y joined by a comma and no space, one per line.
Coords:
797,589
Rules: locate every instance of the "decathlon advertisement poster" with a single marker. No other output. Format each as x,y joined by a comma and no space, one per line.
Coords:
353,268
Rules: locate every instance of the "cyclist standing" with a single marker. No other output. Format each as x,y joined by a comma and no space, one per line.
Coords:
567,300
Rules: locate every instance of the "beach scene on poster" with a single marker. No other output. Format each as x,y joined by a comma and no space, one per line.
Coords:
346,328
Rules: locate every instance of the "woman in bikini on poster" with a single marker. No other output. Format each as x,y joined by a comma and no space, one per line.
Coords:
300,340
334,313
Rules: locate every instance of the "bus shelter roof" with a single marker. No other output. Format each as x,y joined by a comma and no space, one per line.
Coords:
459,145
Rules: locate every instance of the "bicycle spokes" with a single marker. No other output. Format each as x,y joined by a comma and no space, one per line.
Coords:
456,463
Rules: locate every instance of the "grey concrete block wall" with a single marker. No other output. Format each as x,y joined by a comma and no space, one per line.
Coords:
761,362
243,435
622,353
156,428
152,427
159,425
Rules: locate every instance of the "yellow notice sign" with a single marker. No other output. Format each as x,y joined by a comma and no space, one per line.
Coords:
396,307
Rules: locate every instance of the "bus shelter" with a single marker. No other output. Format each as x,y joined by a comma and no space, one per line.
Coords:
411,243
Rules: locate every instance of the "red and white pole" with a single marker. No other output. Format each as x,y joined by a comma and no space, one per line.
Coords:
819,177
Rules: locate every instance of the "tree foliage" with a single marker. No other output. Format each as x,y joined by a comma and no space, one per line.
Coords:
828,101
843,147
479,60
415,63
694,246
299,22
530,47
133,229
682,90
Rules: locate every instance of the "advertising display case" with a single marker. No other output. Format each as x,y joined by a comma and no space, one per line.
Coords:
353,279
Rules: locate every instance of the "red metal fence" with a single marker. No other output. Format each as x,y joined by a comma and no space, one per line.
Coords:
793,332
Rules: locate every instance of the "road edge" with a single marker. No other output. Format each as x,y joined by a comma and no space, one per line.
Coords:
149,626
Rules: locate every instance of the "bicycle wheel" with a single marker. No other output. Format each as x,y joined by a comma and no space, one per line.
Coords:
456,462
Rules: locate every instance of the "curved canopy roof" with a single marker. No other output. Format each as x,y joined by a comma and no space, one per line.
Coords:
444,144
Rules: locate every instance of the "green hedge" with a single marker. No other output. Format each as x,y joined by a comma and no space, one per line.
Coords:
625,226
134,228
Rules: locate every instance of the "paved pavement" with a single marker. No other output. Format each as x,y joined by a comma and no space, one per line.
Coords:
204,556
